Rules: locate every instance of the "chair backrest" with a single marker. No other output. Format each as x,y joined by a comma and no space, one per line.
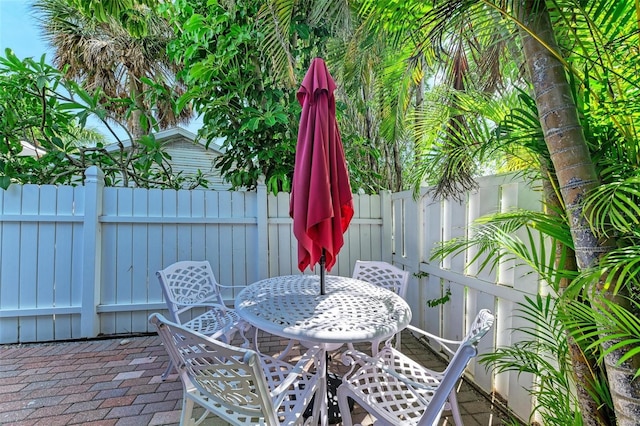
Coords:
465,352
382,274
230,378
188,283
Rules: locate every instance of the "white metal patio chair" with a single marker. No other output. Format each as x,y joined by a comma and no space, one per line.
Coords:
188,285
237,384
384,275
396,390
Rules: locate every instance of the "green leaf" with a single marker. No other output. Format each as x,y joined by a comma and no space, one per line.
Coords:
269,120
5,182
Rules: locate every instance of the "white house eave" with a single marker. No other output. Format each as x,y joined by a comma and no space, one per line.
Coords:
169,134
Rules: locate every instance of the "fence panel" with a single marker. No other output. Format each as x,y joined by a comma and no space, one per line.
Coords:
469,289
144,231
38,263
282,252
364,239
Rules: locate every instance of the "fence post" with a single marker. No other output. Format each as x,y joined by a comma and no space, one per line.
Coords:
263,229
387,226
92,251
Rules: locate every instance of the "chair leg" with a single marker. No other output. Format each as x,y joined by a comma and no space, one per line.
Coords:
286,350
343,406
455,410
398,347
375,347
186,418
243,330
167,371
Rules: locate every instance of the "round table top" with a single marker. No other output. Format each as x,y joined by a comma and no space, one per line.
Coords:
351,310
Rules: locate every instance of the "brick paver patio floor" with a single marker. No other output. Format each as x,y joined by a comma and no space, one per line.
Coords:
117,382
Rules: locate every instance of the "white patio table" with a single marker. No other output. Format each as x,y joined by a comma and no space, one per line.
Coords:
351,311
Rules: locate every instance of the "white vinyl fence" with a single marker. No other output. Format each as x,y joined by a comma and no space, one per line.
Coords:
419,226
80,262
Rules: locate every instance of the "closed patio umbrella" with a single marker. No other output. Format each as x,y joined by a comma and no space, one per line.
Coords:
321,202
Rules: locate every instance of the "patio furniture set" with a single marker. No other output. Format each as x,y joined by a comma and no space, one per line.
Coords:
245,386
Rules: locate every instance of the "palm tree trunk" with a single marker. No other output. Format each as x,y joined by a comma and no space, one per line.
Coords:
576,176
584,366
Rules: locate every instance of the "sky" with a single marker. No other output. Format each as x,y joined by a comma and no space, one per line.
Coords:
19,31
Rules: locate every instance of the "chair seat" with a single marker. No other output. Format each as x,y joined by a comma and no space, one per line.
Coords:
289,411
398,404
213,321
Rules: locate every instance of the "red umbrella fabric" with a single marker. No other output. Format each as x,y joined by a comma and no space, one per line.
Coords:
321,202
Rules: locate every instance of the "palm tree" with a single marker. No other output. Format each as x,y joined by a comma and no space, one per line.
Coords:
110,60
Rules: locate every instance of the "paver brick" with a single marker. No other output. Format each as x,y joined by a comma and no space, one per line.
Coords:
43,402
85,417
127,376
138,381
59,420
121,401
79,397
99,378
145,360
165,418
137,390
47,384
73,386
18,404
12,416
111,393
12,388
147,398
127,411
6,375
49,411
103,422
158,406
83,406
175,394
105,385
134,420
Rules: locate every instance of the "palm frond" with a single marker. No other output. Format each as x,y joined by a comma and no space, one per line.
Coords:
495,240
543,352
614,207
274,19
607,329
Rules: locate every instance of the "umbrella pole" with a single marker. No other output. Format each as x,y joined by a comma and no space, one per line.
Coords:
322,263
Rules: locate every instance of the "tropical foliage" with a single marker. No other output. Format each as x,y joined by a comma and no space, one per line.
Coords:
591,193
368,59
38,105
230,88
113,67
